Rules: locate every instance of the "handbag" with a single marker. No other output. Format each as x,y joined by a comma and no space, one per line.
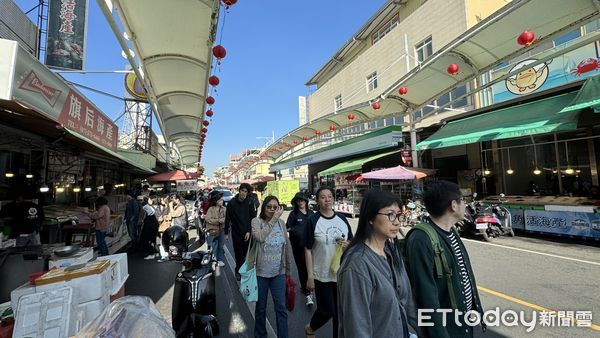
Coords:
248,282
290,293
337,258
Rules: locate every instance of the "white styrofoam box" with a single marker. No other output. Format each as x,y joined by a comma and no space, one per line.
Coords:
84,255
118,269
86,312
49,314
571,208
25,289
89,288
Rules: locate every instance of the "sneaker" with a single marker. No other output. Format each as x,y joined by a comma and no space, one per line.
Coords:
149,257
309,300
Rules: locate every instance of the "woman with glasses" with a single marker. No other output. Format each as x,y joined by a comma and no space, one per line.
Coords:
374,291
322,232
272,265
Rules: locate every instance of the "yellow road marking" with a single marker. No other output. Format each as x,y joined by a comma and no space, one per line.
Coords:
527,304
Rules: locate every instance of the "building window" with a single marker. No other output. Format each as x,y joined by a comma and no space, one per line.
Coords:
424,49
371,82
386,28
592,27
567,37
338,102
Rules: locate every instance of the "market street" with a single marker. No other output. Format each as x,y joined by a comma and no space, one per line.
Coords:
519,274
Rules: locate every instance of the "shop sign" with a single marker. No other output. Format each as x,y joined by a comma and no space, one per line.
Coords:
80,116
582,224
65,41
406,157
187,185
344,207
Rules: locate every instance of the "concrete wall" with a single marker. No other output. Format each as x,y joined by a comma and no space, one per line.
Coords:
477,10
444,20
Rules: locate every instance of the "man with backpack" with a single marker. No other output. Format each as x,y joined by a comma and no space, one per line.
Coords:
439,267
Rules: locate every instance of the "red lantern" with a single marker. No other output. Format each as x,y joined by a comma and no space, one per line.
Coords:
376,105
213,80
331,127
205,123
351,116
403,90
295,142
204,130
526,38
210,100
453,69
219,51
304,138
318,132
209,113
229,3
280,147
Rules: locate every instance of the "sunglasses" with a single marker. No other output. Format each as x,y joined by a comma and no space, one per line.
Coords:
392,216
272,207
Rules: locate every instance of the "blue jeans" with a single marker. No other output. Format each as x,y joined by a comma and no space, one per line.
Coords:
277,287
101,241
216,244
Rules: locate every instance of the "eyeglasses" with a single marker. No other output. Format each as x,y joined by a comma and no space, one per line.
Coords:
272,207
392,216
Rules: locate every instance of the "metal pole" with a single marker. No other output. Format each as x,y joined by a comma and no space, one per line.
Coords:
413,142
592,158
560,185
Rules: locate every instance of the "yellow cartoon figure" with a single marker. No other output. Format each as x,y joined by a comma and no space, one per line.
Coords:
527,80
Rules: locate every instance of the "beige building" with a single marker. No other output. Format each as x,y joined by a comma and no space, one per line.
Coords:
401,35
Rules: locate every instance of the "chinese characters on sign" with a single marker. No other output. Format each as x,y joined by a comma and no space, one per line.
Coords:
66,33
80,116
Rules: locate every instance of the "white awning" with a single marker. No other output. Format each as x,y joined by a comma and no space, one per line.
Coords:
172,42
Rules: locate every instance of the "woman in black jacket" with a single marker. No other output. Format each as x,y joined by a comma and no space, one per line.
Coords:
295,225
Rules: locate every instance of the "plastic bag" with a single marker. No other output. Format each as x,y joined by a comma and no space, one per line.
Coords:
248,282
337,258
290,295
131,317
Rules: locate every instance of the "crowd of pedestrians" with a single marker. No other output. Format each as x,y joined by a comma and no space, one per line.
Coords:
369,283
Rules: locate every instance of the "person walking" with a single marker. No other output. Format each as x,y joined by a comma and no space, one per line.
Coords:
272,266
214,224
452,290
149,229
239,214
132,214
322,233
295,224
101,219
374,293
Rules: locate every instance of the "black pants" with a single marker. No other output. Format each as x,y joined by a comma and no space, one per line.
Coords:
240,247
147,241
326,294
299,258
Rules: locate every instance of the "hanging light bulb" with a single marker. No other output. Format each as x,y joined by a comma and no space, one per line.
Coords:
569,171
9,174
29,176
486,172
509,171
88,189
60,189
537,171
44,188
76,189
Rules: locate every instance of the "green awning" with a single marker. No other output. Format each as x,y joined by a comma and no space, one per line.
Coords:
588,96
531,118
352,165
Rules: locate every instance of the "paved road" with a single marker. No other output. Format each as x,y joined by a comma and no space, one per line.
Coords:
519,274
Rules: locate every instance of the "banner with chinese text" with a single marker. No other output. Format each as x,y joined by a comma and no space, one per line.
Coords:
65,41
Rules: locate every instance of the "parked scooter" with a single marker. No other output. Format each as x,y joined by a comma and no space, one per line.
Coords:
415,214
194,299
486,220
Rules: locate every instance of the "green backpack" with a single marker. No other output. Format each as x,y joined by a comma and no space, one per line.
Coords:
440,261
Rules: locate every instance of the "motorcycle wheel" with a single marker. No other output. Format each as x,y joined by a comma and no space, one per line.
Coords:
485,235
511,233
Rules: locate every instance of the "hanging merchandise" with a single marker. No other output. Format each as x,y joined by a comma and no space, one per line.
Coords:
453,69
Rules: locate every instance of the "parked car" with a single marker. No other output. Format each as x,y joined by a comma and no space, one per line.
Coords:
227,195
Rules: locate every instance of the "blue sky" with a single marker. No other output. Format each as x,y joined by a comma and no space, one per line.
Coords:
273,47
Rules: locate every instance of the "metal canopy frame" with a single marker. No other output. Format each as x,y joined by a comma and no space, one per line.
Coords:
172,42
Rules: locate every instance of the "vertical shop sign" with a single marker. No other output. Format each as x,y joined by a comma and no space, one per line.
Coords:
65,41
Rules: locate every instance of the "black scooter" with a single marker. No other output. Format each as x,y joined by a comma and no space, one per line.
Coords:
194,301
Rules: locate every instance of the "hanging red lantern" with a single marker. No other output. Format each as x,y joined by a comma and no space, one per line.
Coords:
204,130
403,90
205,123
280,147
209,113
219,52
453,69
304,138
210,100
229,3
526,38
351,116
331,127
376,105
318,132
295,142
213,80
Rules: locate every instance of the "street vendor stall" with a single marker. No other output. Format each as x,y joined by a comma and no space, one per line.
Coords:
403,181
349,193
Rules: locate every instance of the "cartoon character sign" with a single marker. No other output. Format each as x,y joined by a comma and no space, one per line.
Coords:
585,66
527,80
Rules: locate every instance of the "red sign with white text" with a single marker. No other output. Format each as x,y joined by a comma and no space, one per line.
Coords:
80,116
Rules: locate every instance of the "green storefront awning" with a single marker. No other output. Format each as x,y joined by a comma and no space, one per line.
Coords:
587,96
531,118
352,165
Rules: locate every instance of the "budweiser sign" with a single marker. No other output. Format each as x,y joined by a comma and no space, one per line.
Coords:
33,83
